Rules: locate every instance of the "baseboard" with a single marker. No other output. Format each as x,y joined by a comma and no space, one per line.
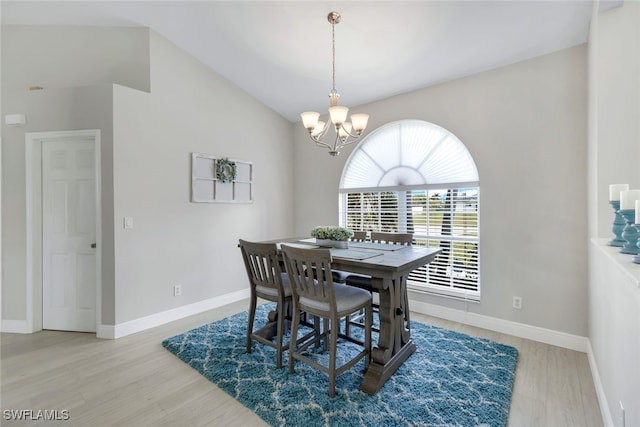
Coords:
547,336
602,397
137,325
16,327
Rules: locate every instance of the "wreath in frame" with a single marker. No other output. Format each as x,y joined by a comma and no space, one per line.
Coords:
225,170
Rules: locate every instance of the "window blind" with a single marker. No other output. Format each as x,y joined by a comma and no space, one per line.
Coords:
446,218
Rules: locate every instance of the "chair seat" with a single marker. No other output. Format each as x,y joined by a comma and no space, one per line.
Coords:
347,298
360,280
340,276
286,287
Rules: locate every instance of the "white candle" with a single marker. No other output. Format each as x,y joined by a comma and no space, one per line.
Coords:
615,189
628,199
637,221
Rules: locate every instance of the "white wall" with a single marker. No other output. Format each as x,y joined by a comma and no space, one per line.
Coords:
614,331
614,280
526,127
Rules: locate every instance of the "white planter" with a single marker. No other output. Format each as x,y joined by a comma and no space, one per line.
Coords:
326,243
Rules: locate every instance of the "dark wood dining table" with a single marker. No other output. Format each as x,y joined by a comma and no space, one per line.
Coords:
389,268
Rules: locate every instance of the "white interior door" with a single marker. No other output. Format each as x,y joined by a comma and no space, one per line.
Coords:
68,235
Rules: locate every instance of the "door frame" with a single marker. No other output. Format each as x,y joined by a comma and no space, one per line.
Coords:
33,184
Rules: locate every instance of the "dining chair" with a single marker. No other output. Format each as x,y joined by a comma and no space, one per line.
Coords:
359,236
364,282
269,282
321,297
392,238
340,276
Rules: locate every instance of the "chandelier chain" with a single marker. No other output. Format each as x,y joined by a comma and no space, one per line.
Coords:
333,52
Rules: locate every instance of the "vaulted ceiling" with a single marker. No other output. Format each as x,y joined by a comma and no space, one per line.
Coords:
280,51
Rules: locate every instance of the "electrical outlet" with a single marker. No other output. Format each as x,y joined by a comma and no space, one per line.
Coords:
517,303
177,290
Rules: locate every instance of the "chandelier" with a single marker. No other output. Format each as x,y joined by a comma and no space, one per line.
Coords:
345,132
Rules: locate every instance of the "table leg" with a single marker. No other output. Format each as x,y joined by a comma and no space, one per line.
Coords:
269,330
394,341
406,323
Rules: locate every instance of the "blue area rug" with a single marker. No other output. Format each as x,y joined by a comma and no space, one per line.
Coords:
451,380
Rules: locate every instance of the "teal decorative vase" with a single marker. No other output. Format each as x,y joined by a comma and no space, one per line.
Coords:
629,233
618,225
636,258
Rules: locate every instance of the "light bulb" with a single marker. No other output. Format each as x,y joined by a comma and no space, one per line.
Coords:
338,115
310,119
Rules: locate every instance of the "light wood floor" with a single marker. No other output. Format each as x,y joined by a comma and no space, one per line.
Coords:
133,381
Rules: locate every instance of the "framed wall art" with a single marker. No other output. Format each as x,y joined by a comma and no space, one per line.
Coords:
220,179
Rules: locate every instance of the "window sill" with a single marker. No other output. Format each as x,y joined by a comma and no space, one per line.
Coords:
459,296
622,261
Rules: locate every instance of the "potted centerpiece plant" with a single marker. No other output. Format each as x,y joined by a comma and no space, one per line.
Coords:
330,236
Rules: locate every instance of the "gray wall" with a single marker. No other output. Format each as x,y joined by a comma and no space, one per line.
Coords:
58,57
615,108
614,151
190,109
62,60
147,138
84,108
526,127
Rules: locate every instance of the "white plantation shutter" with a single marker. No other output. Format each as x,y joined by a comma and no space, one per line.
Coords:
448,219
410,153
418,177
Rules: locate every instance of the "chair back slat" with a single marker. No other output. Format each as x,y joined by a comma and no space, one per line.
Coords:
392,238
261,263
309,273
359,236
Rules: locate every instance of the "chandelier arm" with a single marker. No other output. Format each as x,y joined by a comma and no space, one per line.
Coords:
320,142
324,130
349,134
323,145
336,143
344,143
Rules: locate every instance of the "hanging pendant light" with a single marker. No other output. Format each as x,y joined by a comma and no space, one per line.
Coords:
346,132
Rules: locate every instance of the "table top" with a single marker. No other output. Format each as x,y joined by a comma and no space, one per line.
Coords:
383,262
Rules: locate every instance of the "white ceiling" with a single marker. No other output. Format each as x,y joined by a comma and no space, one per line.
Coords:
280,51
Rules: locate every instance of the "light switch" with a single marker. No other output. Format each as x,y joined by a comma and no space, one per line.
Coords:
15,119
128,222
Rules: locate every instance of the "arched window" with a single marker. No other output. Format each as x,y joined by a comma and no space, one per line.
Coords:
415,176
